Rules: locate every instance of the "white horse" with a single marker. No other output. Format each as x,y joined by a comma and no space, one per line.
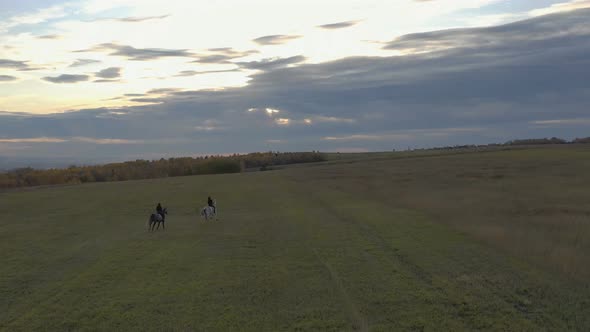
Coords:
209,212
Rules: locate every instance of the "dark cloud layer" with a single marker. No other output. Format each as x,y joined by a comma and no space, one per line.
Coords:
526,79
526,32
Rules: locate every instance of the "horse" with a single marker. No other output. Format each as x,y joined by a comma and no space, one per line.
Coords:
209,212
157,218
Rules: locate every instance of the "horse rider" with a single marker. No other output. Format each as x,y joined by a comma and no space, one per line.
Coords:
210,203
159,210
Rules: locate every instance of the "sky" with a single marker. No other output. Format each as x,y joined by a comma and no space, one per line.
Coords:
90,81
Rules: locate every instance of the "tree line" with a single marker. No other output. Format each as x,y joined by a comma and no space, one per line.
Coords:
517,142
150,169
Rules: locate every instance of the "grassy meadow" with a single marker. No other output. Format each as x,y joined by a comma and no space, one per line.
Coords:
396,241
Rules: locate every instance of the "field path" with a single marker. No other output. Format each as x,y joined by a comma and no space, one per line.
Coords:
359,322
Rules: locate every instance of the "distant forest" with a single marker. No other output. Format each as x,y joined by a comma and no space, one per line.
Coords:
518,142
151,169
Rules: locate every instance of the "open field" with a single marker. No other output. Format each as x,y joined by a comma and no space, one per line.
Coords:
492,241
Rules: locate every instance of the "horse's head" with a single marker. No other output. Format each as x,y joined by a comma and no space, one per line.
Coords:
165,210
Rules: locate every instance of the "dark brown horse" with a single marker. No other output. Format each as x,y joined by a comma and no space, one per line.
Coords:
158,218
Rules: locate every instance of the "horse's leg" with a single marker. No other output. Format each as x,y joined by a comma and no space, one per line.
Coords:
164,224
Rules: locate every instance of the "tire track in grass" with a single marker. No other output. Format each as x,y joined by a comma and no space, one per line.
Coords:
359,323
345,303
511,301
366,232
399,259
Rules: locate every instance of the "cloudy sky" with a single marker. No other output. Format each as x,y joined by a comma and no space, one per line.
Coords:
102,80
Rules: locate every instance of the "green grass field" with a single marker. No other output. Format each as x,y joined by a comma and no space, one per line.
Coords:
476,241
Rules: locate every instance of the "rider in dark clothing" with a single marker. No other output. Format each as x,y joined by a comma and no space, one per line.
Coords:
159,209
210,203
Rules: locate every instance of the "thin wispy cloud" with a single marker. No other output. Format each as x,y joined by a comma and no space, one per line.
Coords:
105,140
19,65
271,63
66,78
132,19
13,64
138,54
232,51
163,91
32,140
562,7
214,58
275,39
370,137
332,119
70,139
148,100
37,17
106,81
186,73
222,55
50,37
563,122
111,72
339,25
7,78
84,62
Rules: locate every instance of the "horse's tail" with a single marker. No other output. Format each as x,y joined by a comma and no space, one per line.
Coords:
149,221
